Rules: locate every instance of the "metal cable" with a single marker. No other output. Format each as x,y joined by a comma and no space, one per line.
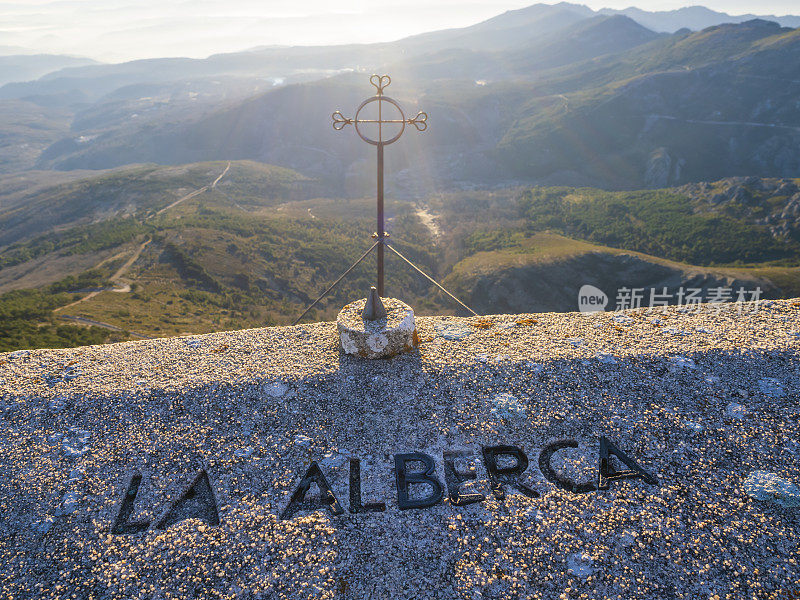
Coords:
426,276
333,285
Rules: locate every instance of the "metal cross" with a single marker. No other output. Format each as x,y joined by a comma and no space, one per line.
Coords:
419,122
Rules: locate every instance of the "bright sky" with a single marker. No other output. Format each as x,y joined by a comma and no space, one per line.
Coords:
115,30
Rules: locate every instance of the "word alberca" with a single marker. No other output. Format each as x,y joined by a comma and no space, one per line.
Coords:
499,476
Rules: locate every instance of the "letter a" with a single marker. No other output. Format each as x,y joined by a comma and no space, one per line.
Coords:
608,474
197,502
327,499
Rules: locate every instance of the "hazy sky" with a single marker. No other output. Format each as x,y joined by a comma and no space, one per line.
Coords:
115,30
733,7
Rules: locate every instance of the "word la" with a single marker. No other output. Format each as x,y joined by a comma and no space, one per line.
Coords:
198,501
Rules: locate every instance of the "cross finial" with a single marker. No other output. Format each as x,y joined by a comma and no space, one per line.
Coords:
380,82
384,103
389,131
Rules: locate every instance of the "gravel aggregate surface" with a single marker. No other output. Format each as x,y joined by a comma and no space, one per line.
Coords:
706,402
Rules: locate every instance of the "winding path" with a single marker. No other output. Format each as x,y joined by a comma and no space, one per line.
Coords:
113,279
191,195
117,276
86,321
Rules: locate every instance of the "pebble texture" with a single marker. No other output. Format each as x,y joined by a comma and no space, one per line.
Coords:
708,403
389,336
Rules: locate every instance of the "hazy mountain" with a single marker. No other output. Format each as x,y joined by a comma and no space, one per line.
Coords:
735,113
682,51
288,64
27,67
504,31
668,110
114,31
252,130
26,130
540,95
694,18
291,126
588,39
584,39
514,31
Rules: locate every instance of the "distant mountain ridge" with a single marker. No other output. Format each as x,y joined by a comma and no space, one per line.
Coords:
694,18
25,67
500,32
548,94
630,109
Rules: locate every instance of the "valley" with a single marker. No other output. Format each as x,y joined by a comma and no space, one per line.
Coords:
566,147
233,245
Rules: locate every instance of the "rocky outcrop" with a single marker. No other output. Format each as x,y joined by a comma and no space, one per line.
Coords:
772,202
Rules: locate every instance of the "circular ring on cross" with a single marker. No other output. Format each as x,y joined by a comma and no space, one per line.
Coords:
380,121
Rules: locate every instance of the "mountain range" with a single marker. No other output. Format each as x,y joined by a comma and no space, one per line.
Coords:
550,94
694,18
564,146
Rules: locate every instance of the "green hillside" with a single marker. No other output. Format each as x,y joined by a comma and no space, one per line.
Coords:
137,192
544,272
158,259
161,251
662,223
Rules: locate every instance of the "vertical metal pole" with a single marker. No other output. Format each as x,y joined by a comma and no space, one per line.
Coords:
381,292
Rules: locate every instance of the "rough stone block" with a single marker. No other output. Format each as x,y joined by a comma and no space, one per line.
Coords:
392,335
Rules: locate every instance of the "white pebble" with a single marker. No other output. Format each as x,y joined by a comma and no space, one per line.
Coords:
736,411
580,565
275,389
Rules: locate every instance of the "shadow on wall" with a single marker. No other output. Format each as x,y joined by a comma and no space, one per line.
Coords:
699,423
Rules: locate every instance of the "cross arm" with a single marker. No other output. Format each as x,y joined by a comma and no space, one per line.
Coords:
339,120
420,121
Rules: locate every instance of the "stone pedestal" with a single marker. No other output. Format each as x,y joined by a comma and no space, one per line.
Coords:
388,336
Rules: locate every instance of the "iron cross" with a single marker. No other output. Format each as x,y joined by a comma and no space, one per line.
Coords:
389,131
